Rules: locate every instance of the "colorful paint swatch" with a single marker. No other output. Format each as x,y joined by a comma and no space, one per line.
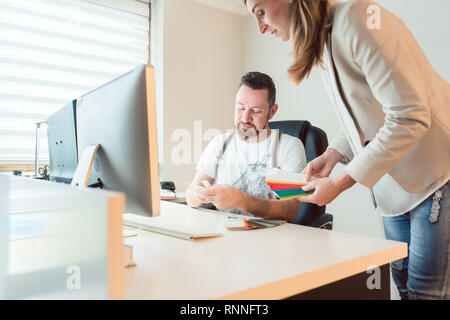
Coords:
280,185
286,184
286,190
291,193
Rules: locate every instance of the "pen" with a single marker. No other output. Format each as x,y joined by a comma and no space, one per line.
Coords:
204,182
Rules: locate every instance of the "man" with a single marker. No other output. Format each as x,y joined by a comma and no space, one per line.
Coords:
228,173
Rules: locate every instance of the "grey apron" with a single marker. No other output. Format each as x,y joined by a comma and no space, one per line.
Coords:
251,182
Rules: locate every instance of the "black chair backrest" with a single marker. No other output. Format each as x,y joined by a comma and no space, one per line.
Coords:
315,142
314,139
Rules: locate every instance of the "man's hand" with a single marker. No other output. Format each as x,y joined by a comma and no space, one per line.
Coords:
326,189
226,197
322,166
223,196
201,179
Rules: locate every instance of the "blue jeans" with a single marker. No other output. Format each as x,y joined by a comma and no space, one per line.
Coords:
424,274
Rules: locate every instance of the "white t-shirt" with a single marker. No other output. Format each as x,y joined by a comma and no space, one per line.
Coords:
240,163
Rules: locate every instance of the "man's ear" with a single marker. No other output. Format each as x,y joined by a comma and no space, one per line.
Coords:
272,111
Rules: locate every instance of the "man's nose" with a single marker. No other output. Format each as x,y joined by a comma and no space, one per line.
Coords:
247,116
262,27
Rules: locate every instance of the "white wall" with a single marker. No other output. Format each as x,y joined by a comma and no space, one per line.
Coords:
427,20
202,65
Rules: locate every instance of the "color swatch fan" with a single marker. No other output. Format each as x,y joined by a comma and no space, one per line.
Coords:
285,184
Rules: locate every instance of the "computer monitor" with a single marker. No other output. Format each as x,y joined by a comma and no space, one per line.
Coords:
62,143
121,117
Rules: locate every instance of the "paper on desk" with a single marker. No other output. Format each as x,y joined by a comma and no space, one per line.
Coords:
127,233
238,222
167,194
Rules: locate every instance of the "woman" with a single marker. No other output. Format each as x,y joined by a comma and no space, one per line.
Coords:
395,124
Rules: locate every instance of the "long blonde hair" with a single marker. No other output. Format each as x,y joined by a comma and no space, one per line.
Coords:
310,24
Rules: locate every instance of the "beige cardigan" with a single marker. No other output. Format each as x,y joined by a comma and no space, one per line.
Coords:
393,107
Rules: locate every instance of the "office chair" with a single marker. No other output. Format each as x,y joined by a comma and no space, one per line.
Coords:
315,142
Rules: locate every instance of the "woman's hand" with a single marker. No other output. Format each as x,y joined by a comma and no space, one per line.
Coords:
322,166
326,189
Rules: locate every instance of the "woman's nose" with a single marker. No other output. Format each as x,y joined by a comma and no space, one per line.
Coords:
261,27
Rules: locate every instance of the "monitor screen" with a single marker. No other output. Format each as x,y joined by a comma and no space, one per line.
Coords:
121,117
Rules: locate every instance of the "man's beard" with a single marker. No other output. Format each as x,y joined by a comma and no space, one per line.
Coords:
246,133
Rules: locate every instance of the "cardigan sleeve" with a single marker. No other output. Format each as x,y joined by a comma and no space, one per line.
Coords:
340,143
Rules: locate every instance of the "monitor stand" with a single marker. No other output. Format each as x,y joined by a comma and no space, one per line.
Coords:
81,175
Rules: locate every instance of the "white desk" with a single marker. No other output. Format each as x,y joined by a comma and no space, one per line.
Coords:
274,263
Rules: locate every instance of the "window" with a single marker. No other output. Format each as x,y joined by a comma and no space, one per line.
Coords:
52,51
